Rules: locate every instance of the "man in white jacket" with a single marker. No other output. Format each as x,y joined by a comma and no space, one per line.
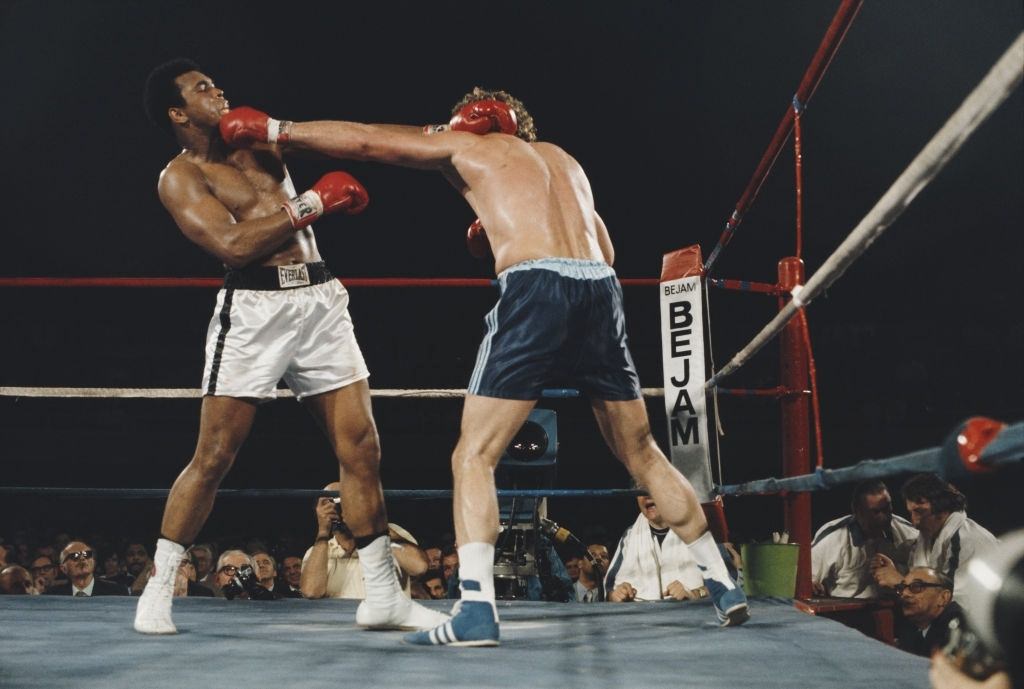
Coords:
948,540
651,562
843,550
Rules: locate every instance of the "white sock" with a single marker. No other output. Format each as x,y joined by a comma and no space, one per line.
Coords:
378,567
476,564
705,552
166,560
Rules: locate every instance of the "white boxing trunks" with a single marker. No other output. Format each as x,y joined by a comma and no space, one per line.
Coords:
281,322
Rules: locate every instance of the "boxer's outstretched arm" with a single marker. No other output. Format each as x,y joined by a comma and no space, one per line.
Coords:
206,221
397,145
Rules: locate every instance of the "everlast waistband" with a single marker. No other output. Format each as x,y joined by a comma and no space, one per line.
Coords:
278,277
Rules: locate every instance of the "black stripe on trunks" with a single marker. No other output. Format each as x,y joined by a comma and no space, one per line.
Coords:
225,326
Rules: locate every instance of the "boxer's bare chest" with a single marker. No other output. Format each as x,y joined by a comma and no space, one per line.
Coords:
250,184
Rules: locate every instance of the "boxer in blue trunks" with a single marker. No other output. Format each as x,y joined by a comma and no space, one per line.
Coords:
556,318
560,312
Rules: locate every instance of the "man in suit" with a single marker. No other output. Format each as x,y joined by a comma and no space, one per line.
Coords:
78,562
926,597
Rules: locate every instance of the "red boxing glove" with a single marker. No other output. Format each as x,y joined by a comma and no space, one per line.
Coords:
476,241
335,191
245,126
484,117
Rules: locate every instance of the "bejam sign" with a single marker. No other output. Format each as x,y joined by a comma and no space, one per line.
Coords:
682,348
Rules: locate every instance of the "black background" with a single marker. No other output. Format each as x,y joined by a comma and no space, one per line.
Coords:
667,105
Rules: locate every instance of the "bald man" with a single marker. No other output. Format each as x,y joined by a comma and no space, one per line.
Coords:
78,562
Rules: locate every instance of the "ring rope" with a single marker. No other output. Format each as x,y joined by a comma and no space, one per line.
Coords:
195,393
746,286
304,493
1006,448
827,50
219,282
997,85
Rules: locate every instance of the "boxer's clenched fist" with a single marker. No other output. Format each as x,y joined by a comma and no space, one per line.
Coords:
476,241
484,117
245,126
334,192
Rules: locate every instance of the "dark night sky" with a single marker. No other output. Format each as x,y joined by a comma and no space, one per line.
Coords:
668,106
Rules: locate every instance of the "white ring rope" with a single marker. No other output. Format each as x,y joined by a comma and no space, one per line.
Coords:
195,393
997,85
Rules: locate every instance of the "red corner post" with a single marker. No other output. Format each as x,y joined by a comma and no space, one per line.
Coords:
796,427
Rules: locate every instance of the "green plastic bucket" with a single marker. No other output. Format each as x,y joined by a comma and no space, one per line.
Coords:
769,569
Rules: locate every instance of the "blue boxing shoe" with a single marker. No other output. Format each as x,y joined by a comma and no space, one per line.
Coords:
730,603
473,623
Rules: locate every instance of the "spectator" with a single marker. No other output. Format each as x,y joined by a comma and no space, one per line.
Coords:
330,567
204,557
230,566
78,562
433,557
44,572
948,538
114,569
449,562
651,562
433,582
185,583
136,561
266,571
843,549
291,577
54,554
587,585
926,597
572,566
15,580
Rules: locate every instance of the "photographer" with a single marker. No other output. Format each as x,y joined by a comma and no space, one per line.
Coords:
985,653
330,567
236,577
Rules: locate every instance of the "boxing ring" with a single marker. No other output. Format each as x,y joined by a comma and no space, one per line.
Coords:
303,643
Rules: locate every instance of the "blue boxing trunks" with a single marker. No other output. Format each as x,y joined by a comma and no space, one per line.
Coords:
556,320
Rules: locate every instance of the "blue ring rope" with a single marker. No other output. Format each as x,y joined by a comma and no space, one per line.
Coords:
1005,449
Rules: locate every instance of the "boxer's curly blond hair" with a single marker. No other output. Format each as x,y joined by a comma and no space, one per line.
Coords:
525,130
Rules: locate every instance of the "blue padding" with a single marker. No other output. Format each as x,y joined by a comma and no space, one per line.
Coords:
88,643
1006,448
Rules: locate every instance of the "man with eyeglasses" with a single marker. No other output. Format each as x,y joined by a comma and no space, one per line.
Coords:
44,572
926,598
948,539
78,562
228,564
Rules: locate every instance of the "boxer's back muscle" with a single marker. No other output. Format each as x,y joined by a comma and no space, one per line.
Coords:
534,200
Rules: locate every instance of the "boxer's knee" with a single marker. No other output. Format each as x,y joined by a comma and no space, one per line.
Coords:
359,452
215,454
473,454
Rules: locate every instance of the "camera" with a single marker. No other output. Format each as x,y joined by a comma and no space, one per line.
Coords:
968,652
521,566
338,523
245,581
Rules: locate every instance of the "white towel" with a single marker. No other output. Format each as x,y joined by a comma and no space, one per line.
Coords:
649,566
